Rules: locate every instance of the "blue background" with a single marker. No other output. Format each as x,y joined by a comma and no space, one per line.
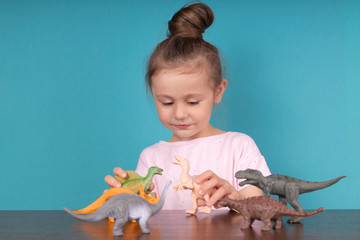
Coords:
73,102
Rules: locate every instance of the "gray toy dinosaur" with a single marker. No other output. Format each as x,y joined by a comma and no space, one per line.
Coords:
124,207
287,188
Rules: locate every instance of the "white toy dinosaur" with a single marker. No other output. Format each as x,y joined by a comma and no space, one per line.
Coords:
188,182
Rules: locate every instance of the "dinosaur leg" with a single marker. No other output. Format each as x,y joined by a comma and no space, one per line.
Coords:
267,222
117,229
283,200
142,222
206,209
292,194
247,222
195,204
278,223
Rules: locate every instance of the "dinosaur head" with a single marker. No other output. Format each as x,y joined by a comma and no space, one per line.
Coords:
252,176
224,202
155,170
182,162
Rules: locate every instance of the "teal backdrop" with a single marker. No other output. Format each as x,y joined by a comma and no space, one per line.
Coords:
73,104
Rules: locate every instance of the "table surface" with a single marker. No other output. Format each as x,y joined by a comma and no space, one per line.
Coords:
220,224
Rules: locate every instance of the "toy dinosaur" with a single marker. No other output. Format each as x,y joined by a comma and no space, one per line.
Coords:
187,182
133,180
111,193
124,207
287,188
264,209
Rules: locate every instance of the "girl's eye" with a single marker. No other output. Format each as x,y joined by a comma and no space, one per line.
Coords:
193,103
167,103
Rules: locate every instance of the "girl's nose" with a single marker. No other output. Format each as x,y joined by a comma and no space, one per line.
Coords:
180,111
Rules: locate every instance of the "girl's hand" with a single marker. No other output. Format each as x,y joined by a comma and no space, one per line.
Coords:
217,187
111,181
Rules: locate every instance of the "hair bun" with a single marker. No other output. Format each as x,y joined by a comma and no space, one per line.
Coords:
191,21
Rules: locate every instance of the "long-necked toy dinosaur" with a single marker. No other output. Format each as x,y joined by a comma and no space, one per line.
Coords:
125,207
287,188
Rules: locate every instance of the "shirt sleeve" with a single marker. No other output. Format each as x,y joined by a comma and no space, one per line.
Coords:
143,165
250,158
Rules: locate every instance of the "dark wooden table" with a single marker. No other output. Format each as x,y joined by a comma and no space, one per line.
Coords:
220,224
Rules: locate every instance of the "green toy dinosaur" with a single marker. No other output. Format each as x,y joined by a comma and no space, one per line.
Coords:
133,180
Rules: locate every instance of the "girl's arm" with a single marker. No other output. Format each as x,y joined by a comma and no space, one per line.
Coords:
250,191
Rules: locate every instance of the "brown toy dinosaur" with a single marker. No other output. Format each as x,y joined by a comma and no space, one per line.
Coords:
264,209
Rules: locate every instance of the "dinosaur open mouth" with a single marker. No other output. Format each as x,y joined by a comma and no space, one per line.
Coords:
159,171
247,182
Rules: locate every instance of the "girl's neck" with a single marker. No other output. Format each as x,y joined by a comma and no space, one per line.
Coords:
210,131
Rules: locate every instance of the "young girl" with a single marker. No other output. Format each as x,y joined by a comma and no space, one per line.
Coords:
185,78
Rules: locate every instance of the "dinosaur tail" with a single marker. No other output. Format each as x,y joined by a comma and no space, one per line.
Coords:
312,186
157,207
95,216
292,213
321,209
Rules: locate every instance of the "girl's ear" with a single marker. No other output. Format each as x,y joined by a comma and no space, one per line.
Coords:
220,91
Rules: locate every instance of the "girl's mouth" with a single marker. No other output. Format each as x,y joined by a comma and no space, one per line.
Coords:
182,126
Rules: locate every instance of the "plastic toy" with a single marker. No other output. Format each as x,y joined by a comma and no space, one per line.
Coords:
187,182
264,209
110,193
287,188
124,207
133,180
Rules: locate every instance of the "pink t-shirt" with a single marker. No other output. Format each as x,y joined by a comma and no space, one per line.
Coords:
224,154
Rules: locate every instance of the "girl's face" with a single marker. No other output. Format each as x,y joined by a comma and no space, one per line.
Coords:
184,100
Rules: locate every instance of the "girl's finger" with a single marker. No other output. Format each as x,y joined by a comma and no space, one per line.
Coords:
216,196
208,185
204,176
119,172
111,181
